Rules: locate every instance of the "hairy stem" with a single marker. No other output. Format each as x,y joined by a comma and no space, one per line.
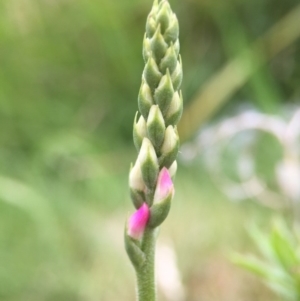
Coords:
146,290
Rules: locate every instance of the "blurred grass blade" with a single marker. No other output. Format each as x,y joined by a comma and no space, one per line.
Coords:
280,281
263,243
284,247
236,73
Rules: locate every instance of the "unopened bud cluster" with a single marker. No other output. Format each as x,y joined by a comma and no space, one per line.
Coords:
160,108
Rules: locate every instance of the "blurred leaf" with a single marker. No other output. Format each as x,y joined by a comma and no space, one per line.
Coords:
280,267
284,246
225,83
262,241
276,278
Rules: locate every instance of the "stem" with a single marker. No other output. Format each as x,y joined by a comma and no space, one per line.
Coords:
146,288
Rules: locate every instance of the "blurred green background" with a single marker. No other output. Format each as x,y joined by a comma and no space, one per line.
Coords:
70,72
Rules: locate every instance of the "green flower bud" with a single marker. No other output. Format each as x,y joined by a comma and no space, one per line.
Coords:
172,32
169,61
158,45
164,93
152,74
149,164
151,23
146,48
137,186
177,75
145,100
174,111
136,181
150,26
163,15
139,131
169,147
156,126
154,9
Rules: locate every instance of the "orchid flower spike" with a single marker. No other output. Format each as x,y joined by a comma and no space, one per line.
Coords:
138,221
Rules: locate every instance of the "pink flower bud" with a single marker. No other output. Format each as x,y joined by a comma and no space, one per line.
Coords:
164,187
137,222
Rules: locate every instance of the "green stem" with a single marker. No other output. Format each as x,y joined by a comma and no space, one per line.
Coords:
146,288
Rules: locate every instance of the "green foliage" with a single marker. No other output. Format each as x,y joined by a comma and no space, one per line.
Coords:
280,266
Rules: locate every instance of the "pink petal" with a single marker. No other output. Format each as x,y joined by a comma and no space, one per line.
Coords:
137,222
164,185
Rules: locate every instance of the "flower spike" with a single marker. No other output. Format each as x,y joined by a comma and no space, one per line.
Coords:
156,140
